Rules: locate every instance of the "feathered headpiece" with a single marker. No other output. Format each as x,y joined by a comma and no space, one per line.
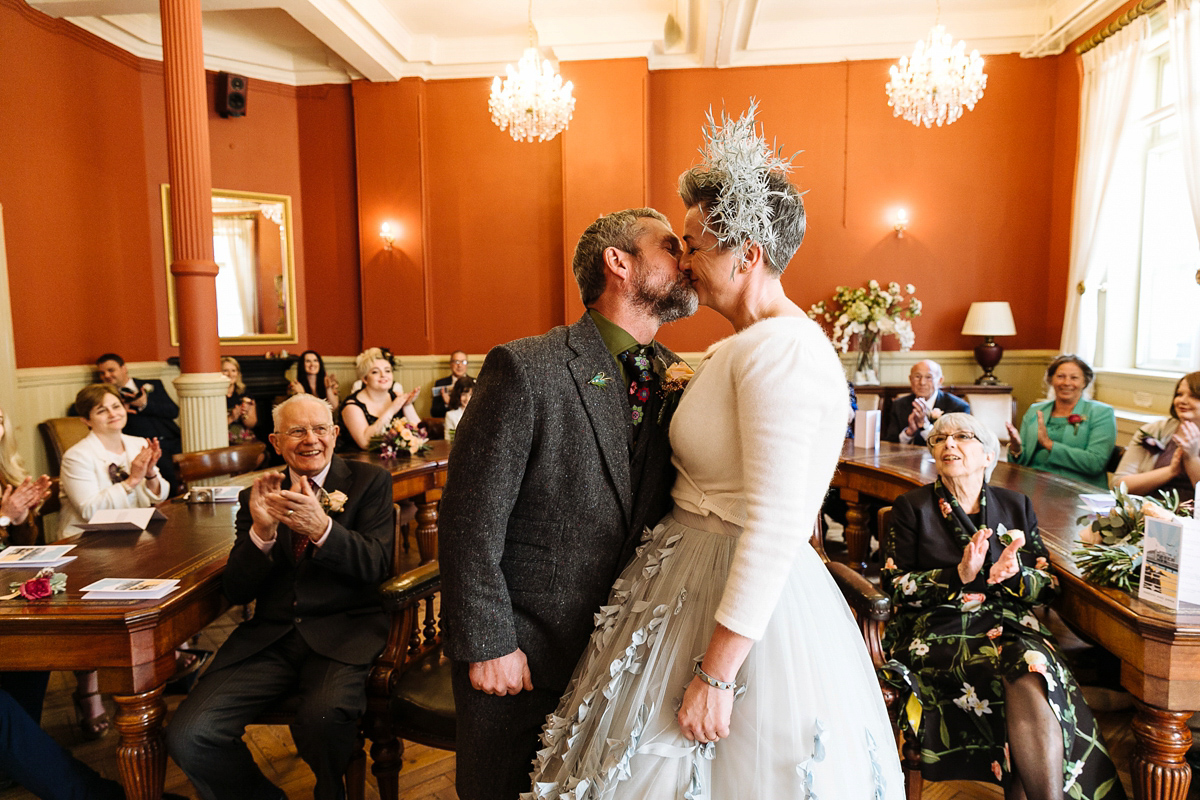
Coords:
737,155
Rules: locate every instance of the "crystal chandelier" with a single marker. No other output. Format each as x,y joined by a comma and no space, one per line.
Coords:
532,102
936,82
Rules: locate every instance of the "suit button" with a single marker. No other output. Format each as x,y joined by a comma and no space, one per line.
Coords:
299,620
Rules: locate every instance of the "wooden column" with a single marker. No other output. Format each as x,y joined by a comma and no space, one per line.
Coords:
201,390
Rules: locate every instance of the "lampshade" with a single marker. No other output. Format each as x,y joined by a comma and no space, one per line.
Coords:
989,319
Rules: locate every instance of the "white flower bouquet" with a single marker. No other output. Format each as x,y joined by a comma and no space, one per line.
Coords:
869,314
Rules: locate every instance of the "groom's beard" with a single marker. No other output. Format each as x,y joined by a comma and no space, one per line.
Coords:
668,302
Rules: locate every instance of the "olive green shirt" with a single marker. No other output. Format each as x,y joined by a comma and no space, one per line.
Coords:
616,339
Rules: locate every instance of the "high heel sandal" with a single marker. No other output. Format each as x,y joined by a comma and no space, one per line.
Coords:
92,728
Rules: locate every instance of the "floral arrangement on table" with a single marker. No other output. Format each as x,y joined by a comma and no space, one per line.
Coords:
869,314
1112,543
401,438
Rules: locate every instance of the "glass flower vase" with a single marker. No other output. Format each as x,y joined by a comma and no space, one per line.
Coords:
866,368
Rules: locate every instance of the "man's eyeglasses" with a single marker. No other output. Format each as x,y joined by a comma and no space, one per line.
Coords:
458,361
962,437
320,431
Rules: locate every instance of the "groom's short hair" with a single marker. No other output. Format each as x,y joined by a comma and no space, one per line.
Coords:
620,230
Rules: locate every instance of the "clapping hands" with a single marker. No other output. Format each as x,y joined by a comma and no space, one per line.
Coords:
140,468
975,553
298,508
17,501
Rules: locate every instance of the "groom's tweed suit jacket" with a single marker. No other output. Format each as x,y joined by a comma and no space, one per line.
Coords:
544,502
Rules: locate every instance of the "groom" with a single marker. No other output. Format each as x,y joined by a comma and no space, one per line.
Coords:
551,483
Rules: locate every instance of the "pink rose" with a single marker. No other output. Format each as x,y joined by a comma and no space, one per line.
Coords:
972,600
995,632
36,588
996,770
945,507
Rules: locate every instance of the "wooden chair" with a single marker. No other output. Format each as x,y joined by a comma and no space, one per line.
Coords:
60,434
233,460
1114,460
409,694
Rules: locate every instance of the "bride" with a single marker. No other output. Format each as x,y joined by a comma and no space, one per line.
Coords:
727,664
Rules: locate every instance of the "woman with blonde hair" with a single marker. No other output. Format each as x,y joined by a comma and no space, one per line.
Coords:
1164,455
369,411
241,413
20,494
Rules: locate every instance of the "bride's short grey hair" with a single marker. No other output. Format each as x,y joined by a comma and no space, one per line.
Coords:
743,191
619,229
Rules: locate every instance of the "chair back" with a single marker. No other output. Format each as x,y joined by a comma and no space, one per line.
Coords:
60,434
1114,459
884,518
219,461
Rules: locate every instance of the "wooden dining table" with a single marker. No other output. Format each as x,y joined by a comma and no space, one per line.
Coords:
1159,648
131,643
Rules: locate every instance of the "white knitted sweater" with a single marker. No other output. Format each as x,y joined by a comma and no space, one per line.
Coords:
756,438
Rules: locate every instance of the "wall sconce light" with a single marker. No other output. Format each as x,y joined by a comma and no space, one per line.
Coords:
901,222
388,235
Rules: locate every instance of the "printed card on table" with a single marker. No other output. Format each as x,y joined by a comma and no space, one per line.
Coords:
130,589
121,519
35,556
1170,562
866,429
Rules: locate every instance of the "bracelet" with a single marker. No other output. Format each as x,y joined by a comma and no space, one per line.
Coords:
699,672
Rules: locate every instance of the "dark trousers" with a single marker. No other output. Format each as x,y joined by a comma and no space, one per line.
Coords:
497,738
205,735
37,762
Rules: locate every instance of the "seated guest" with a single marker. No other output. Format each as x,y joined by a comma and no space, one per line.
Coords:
1069,435
240,411
460,395
38,763
443,386
1164,455
20,495
106,469
912,415
311,378
369,411
312,545
150,413
997,702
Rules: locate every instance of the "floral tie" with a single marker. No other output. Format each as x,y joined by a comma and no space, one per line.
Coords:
636,361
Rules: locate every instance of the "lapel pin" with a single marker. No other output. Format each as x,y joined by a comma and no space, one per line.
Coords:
600,380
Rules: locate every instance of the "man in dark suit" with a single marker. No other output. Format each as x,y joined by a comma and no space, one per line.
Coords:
442,386
551,484
312,545
912,415
150,412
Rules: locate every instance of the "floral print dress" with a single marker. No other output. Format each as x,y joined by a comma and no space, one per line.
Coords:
951,644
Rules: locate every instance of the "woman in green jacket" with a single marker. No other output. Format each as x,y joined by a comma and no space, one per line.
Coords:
1069,435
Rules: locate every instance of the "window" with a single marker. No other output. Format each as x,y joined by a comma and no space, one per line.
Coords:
1149,300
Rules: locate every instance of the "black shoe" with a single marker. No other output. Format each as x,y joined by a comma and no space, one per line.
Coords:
186,678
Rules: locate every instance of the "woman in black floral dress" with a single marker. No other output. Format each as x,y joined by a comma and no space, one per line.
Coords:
966,568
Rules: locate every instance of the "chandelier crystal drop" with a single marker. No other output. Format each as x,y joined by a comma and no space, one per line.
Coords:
532,103
936,82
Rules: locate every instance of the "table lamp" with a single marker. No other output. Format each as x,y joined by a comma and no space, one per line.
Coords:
988,320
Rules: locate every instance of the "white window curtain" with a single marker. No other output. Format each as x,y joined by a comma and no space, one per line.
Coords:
237,291
1110,74
1184,29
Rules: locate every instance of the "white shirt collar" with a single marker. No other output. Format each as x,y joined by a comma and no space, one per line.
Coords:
318,479
130,385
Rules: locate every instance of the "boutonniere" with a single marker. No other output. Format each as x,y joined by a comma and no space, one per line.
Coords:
944,507
44,584
333,502
117,473
1075,420
673,380
935,414
1152,445
600,380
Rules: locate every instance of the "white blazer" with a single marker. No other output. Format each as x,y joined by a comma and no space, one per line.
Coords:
87,485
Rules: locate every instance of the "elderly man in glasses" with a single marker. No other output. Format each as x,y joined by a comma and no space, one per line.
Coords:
913,415
312,544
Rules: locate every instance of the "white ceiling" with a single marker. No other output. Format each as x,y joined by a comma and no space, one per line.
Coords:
302,42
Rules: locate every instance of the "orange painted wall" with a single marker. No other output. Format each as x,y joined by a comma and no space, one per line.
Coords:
330,241
978,192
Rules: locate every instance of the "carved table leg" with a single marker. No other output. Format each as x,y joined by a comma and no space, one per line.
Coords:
142,753
858,535
1158,769
427,543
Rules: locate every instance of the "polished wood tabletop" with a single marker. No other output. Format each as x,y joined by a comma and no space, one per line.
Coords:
132,642
1159,648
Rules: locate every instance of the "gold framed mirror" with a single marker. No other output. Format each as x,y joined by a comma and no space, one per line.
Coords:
256,278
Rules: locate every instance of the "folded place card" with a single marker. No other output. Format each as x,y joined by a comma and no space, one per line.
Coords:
121,519
866,429
35,556
130,589
1170,562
